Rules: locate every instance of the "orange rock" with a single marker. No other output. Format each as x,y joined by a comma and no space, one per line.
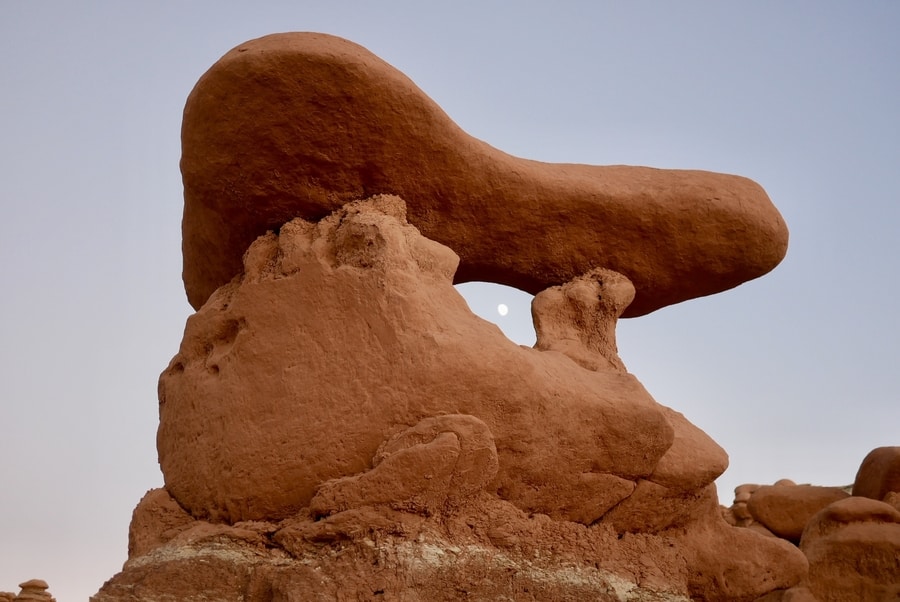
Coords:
156,519
853,548
435,465
298,124
693,461
739,564
745,489
489,550
578,319
341,334
794,594
879,473
759,528
784,483
653,508
741,512
785,510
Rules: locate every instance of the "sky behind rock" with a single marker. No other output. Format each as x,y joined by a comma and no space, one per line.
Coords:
794,374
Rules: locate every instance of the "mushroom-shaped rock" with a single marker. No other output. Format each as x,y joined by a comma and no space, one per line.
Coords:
578,318
298,124
35,590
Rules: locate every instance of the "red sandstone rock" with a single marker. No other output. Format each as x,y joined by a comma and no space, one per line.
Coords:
341,334
761,529
879,473
436,465
578,319
298,124
853,547
693,461
156,519
337,424
736,564
785,510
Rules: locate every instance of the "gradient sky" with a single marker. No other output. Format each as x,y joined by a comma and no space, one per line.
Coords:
795,374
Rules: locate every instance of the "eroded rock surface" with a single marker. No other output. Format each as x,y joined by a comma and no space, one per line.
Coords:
485,550
342,334
298,124
33,590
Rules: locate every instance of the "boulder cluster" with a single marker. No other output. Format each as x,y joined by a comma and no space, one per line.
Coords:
850,535
337,424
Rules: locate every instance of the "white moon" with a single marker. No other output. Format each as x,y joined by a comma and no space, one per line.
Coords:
502,309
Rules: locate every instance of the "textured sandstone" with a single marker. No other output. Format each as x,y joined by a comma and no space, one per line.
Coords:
785,510
432,467
342,334
853,548
298,124
736,564
486,550
879,473
578,319
338,425
156,519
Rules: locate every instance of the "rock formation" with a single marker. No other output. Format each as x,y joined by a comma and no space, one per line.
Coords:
852,543
298,124
853,547
785,510
337,423
33,590
339,392
879,473
387,340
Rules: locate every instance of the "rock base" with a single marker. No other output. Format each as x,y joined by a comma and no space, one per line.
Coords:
487,550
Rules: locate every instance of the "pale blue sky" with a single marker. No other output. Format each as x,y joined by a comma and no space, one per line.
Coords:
795,374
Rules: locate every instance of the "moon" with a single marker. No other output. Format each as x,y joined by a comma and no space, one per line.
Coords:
502,309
